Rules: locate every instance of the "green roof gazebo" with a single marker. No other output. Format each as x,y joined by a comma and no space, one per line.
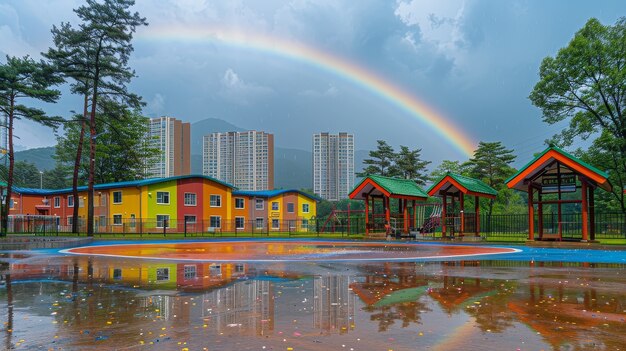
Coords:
457,186
374,187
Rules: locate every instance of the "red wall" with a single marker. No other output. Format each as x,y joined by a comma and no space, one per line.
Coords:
190,186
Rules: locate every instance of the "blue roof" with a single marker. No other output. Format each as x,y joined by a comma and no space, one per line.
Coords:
272,193
125,184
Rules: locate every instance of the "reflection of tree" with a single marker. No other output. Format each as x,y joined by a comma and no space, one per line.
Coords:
407,312
493,313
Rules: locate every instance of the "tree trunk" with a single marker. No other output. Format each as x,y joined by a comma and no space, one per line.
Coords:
7,204
92,151
79,155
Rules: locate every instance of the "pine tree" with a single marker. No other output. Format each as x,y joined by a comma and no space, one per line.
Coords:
24,78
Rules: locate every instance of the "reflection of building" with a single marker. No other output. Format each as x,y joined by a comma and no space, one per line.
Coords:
244,159
172,138
333,165
248,305
333,307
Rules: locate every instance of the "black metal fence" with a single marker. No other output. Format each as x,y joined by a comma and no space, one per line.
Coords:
513,226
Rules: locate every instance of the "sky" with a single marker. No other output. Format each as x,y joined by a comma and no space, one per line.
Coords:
260,65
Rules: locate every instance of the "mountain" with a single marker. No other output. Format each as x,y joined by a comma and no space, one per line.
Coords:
293,168
207,126
41,157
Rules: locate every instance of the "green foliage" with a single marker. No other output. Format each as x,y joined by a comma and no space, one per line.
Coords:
381,161
57,178
448,166
25,174
24,79
585,84
491,164
409,165
386,162
121,148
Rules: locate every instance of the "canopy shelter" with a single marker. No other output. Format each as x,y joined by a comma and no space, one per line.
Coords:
554,171
375,188
456,186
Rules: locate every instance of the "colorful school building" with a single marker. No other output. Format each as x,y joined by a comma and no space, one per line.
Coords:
191,203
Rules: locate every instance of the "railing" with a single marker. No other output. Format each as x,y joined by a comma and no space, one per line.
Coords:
507,226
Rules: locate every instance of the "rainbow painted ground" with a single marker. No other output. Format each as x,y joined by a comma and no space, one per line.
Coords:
261,251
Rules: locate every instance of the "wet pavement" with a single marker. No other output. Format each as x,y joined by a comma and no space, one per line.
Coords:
62,302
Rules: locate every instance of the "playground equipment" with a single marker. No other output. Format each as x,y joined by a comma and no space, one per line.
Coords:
430,217
347,221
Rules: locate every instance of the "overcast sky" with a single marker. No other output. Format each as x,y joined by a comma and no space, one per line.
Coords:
473,61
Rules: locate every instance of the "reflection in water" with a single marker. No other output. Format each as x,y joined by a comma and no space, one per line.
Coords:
105,303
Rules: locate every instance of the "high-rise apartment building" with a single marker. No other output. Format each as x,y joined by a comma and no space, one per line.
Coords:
172,137
243,159
333,165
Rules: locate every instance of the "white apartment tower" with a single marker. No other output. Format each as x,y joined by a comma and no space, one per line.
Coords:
172,137
333,165
243,159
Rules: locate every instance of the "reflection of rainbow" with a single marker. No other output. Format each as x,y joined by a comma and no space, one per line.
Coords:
326,61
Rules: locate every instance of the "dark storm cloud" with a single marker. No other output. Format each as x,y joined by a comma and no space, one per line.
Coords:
475,61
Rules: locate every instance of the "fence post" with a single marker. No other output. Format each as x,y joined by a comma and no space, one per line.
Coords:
164,227
185,224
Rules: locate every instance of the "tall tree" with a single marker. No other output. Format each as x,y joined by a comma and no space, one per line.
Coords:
409,165
71,57
492,164
585,84
57,178
380,161
24,78
108,28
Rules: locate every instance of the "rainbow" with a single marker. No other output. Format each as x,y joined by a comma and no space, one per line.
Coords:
336,65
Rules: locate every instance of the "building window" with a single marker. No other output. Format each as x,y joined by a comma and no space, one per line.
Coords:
305,208
215,201
162,274
215,270
132,221
189,272
163,197
103,200
305,224
103,221
240,222
190,199
81,201
163,221
117,197
117,219
57,202
215,222
259,204
239,268
189,219
70,220
290,207
259,223
275,224
70,201
274,205
12,203
239,203
117,274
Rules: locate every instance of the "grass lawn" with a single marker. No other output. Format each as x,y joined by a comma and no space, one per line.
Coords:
175,236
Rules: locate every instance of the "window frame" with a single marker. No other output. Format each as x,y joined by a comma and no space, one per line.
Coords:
162,226
243,220
258,201
195,219
275,220
219,200
117,216
195,199
243,203
163,193
308,208
219,219
57,202
293,207
115,202
70,200
277,206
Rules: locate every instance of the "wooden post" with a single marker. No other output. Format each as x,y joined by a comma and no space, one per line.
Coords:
560,219
540,215
444,212
405,215
413,216
477,214
462,212
386,202
585,217
592,214
367,214
531,210
453,214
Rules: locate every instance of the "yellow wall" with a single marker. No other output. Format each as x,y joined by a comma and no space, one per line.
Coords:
130,202
312,207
